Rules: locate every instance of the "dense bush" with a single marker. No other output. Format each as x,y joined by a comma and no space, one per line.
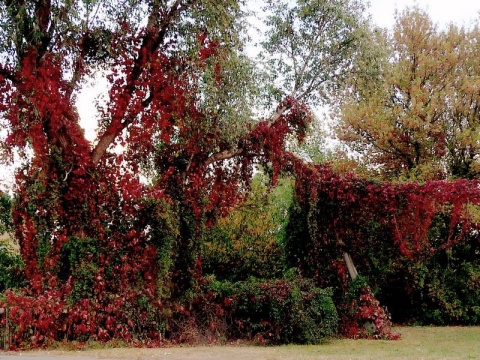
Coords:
362,314
416,244
442,290
284,311
6,223
268,311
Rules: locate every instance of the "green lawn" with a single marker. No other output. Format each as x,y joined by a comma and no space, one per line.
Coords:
415,343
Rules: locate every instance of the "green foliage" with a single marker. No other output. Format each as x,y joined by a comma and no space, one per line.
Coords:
80,259
249,241
312,44
11,263
11,268
442,290
164,230
278,311
6,223
452,295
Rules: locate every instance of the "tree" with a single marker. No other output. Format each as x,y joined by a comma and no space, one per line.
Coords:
106,255
417,118
311,44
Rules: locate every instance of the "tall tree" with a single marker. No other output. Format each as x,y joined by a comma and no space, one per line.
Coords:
101,248
311,45
417,118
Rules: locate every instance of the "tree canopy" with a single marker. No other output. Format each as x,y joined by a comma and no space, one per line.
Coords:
105,252
417,117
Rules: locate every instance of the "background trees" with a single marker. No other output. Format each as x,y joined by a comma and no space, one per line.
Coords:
249,242
311,44
417,118
10,262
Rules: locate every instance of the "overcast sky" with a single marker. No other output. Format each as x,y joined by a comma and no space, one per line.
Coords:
461,12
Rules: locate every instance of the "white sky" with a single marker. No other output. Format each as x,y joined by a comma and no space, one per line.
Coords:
461,12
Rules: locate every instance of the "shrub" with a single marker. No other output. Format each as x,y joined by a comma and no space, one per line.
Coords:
362,315
444,290
275,311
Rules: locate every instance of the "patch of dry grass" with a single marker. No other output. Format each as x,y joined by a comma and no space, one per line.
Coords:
416,343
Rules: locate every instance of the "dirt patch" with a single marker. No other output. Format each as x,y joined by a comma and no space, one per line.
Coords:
176,353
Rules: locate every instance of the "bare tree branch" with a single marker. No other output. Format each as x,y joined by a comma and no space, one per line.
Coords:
223,155
237,151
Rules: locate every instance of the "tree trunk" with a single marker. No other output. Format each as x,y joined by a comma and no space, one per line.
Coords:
351,268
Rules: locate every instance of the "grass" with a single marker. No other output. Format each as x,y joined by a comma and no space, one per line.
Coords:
416,343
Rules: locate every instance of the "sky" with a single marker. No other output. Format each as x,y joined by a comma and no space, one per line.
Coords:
443,12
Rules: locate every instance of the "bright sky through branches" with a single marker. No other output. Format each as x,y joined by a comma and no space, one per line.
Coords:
460,12
383,14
